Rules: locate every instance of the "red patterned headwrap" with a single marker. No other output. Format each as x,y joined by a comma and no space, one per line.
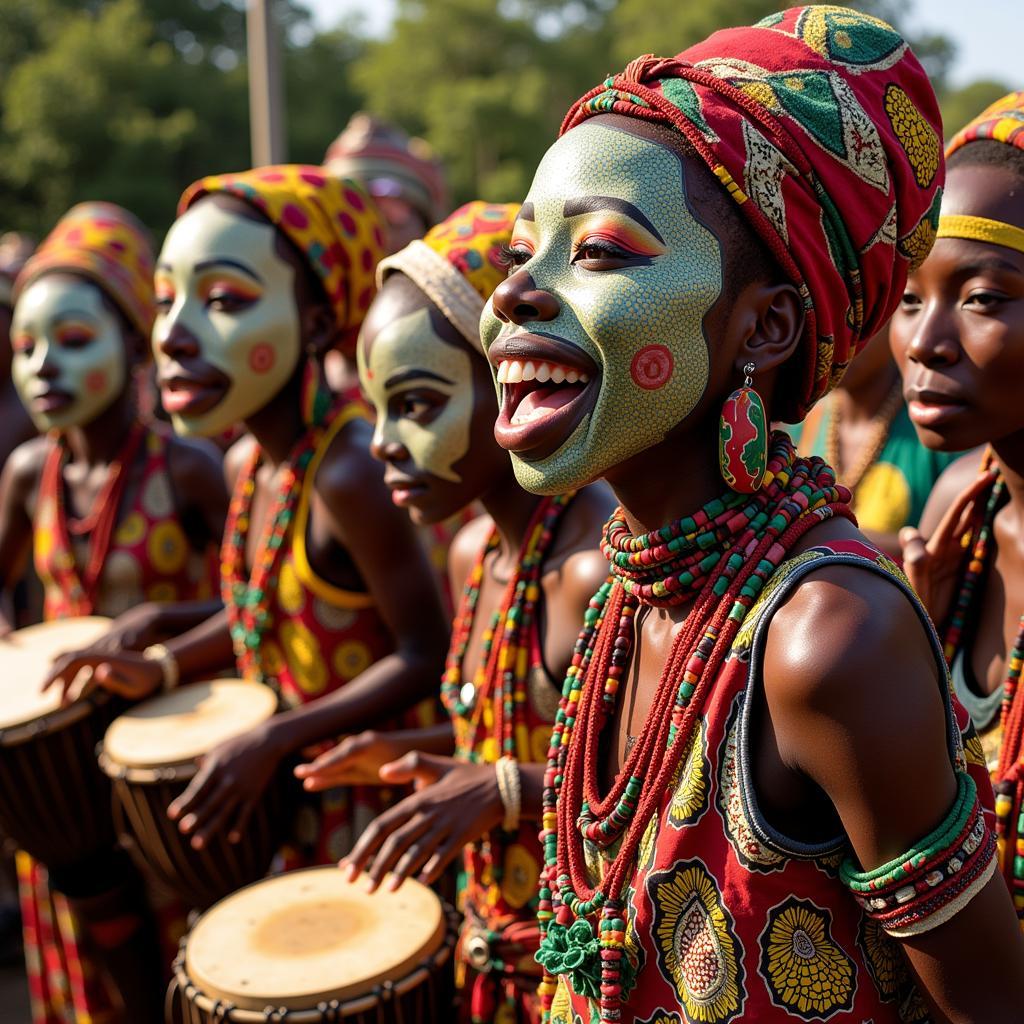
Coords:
824,128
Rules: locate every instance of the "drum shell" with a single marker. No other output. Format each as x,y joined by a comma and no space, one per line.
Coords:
55,802
199,877
424,995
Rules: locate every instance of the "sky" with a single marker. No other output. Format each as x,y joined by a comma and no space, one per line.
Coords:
987,44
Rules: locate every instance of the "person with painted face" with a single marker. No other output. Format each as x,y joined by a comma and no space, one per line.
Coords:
757,803
958,337
119,515
328,596
525,570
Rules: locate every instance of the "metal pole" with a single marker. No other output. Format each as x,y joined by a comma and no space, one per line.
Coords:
266,89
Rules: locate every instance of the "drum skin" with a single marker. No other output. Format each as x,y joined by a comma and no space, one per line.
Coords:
142,794
419,989
54,800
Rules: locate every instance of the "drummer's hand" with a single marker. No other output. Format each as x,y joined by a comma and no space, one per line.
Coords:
355,761
455,803
126,674
226,789
134,630
932,565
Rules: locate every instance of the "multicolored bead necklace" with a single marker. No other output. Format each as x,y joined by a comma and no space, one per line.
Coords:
501,676
99,522
1008,785
720,558
247,595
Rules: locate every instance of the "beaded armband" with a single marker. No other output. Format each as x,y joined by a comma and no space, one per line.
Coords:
936,878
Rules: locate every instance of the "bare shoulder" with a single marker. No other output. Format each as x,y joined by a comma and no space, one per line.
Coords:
951,483
347,470
236,457
464,548
194,462
24,467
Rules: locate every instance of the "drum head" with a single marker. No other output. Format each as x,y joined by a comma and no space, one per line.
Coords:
308,936
26,657
179,726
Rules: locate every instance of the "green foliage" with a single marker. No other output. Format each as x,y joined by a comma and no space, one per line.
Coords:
962,105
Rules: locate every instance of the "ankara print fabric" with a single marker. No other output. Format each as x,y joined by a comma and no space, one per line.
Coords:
1002,121
727,919
823,127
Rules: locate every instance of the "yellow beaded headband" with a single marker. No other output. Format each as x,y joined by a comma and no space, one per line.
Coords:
981,229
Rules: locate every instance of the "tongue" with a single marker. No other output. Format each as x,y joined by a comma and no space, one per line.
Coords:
547,399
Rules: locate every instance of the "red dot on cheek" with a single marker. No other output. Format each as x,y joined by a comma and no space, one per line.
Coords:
262,357
652,367
96,381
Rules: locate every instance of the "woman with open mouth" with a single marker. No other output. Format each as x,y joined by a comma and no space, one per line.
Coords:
526,570
328,596
959,339
757,803
122,519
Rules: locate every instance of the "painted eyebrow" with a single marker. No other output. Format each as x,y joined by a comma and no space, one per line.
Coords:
401,378
591,204
220,261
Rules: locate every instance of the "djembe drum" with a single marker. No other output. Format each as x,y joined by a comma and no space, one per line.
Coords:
153,751
54,800
309,947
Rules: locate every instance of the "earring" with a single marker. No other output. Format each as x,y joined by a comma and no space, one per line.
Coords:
743,437
314,398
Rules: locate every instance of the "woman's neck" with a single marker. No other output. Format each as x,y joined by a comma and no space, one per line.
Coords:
278,425
511,509
100,440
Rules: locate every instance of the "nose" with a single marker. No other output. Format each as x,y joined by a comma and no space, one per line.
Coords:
934,340
173,339
48,369
385,446
518,300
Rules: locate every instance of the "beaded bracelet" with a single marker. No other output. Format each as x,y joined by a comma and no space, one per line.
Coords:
936,878
511,789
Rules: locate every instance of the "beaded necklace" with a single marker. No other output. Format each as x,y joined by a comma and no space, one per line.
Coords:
720,558
1011,713
247,595
881,423
502,674
80,588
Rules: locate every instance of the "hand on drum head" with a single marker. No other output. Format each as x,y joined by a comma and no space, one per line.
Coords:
227,788
126,674
355,761
455,803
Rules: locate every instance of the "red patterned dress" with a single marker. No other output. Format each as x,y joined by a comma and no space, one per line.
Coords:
149,559
728,919
318,638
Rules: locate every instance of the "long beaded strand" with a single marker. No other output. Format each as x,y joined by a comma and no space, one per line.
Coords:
724,554
504,665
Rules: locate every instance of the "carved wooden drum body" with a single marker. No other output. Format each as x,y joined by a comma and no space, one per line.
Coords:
308,947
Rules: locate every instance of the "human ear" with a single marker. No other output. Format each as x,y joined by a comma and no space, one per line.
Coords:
771,322
319,328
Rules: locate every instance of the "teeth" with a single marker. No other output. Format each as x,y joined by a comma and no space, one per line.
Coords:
557,375
529,371
515,372
571,377
543,373
512,371
527,417
584,378
503,371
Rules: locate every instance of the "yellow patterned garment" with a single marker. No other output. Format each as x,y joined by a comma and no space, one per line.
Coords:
331,221
1003,121
106,244
459,263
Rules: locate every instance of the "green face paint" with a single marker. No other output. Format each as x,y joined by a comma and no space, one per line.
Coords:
407,357
222,280
62,322
613,240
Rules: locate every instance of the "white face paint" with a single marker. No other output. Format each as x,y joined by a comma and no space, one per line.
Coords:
422,389
221,279
69,360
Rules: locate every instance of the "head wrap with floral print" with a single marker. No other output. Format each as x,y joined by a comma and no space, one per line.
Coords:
1002,121
459,263
331,221
822,125
109,246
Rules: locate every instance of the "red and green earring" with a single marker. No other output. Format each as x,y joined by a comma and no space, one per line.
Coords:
314,397
743,437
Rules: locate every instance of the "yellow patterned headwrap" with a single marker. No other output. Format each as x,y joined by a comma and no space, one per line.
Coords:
1002,121
109,246
458,263
331,221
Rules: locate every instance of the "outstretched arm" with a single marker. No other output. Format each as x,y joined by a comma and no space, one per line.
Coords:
855,703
